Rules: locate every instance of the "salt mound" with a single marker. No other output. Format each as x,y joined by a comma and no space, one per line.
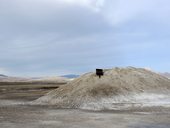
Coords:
117,86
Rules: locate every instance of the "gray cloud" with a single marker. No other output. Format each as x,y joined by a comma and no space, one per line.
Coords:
39,37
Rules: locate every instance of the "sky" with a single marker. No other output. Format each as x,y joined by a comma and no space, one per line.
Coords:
57,37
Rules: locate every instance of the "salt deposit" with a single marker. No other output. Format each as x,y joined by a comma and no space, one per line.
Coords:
119,88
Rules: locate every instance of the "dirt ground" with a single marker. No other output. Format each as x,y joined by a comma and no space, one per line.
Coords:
16,113
25,92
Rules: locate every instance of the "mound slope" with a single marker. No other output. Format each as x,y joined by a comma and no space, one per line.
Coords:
117,86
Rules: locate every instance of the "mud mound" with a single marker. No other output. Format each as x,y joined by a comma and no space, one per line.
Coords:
117,86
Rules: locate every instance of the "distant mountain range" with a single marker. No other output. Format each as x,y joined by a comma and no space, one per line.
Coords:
43,80
8,78
1,75
166,74
70,76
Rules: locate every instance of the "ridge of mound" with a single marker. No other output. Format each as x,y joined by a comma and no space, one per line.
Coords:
117,86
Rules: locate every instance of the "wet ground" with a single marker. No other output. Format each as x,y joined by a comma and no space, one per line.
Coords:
16,113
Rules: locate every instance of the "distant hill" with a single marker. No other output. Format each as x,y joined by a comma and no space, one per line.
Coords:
1,75
166,74
70,76
28,80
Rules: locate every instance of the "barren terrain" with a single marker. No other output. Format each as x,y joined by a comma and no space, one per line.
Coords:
17,109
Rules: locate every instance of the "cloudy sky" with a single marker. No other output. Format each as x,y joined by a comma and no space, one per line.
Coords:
56,37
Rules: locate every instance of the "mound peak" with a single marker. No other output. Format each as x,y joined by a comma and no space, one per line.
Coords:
118,85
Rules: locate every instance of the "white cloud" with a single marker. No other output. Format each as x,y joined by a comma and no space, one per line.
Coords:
84,2
118,12
95,5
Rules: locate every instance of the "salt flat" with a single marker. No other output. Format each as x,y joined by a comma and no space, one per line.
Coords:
18,115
